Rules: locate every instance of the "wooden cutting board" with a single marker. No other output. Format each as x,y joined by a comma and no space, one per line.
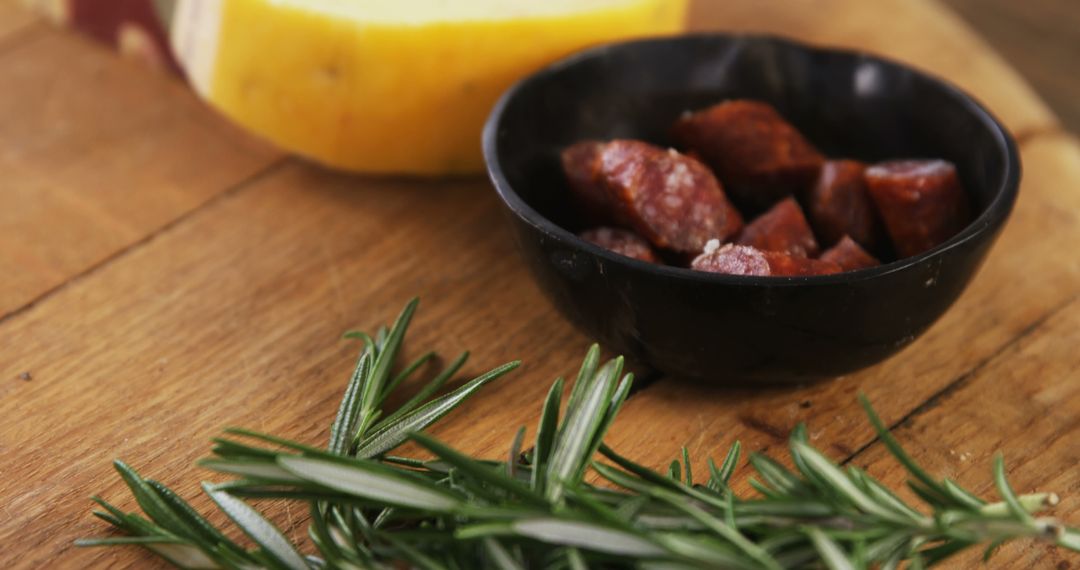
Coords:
165,276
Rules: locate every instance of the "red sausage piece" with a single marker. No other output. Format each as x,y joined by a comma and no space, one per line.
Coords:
849,255
581,163
672,200
745,260
623,242
758,155
839,205
920,201
783,228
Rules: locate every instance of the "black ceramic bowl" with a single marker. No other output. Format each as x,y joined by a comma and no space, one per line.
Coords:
739,330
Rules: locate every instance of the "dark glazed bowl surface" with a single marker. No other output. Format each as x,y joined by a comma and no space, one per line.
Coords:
739,330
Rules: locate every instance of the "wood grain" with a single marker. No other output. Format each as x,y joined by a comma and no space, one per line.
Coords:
235,318
14,20
97,157
228,310
924,34
1025,404
1041,39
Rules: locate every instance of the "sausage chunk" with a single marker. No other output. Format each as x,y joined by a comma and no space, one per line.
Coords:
622,242
669,198
838,205
745,260
758,155
849,255
920,201
783,228
581,164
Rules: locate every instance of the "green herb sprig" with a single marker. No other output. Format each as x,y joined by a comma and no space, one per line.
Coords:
370,509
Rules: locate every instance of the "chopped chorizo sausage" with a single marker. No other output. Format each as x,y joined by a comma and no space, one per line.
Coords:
745,260
623,242
783,228
849,255
758,155
838,204
920,201
581,163
672,200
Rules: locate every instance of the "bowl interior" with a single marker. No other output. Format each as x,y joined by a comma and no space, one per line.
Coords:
850,105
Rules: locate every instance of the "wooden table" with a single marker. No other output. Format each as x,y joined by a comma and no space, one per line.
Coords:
1041,38
165,276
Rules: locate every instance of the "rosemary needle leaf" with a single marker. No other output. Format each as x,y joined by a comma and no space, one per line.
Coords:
704,553
897,451
776,475
373,388
394,434
1070,538
373,481
266,470
499,556
427,391
208,536
125,522
1007,493
320,534
576,437
262,531
586,535
728,533
341,432
720,477
150,502
575,559
109,519
686,464
585,376
416,557
307,449
515,453
838,480
831,554
962,496
405,375
674,470
476,470
622,392
176,551
646,474
545,434
939,553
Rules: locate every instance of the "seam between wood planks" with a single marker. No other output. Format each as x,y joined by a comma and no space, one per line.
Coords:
268,170
963,379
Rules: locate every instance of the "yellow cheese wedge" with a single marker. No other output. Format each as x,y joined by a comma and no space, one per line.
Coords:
387,86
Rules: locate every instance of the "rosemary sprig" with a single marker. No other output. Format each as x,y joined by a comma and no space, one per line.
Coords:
369,509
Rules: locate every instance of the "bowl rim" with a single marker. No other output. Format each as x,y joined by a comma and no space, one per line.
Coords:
992,217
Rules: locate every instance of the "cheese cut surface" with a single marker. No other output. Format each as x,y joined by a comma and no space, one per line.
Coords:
388,86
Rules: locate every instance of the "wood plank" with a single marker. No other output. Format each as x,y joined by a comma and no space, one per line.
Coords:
86,176
1041,39
234,318
1025,404
1023,281
923,33
15,19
